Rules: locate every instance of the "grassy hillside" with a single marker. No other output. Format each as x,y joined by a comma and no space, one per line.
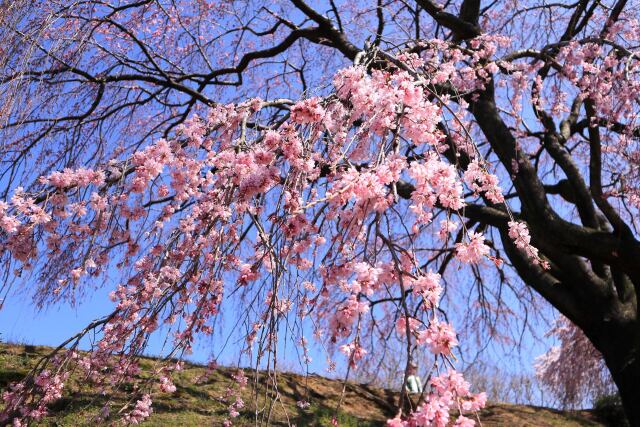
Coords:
203,404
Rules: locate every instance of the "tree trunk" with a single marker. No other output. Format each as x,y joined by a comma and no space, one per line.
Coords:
629,386
627,377
620,347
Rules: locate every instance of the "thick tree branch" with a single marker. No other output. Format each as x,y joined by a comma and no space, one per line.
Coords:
460,28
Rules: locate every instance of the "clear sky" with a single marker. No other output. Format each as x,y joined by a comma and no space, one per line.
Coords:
21,322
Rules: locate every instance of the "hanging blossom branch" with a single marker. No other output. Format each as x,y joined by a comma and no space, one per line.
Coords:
230,206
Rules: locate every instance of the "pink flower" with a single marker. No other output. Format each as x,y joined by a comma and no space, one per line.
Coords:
396,422
346,315
439,336
39,216
166,385
71,178
473,251
9,223
463,421
50,386
141,411
519,232
479,180
435,181
429,287
307,111
475,402
401,325
447,227
354,352
452,382
76,273
367,277
97,202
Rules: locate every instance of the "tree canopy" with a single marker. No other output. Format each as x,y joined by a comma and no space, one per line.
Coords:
322,170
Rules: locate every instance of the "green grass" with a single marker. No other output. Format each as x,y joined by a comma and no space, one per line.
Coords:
197,404
203,404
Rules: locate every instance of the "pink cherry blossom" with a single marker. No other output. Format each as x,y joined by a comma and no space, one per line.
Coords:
439,337
474,250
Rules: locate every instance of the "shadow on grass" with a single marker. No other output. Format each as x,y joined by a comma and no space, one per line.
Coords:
7,377
322,416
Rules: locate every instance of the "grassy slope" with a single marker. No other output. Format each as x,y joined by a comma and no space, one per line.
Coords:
203,404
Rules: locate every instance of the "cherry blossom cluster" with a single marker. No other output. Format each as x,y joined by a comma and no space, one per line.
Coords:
519,232
438,336
449,391
233,396
294,216
46,388
140,412
600,76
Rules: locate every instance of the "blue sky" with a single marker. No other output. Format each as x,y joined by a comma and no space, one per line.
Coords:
21,322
